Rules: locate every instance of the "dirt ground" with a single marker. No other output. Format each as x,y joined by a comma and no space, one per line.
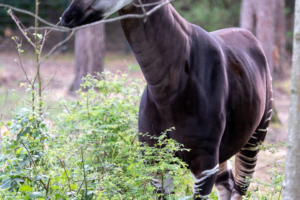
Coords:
58,73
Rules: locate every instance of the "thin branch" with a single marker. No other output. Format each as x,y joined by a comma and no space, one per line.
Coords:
57,46
148,4
48,186
4,104
17,21
144,10
84,175
62,164
33,164
29,155
43,43
21,64
91,164
25,100
49,82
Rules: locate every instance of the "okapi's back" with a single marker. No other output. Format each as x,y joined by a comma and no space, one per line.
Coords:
238,43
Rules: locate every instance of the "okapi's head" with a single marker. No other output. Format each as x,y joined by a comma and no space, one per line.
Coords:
82,12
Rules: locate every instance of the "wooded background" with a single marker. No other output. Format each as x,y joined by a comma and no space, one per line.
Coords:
270,20
209,14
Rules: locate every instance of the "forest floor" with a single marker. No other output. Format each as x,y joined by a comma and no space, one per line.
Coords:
58,73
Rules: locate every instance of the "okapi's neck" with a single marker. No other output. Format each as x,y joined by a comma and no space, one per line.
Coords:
160,44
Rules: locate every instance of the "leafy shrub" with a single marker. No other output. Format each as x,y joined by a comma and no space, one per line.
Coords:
90,152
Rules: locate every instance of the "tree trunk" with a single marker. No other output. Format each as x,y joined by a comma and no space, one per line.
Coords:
292,173
89,53
248,15
257,17
280,41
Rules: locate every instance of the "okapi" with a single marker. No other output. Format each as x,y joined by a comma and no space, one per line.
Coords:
214,88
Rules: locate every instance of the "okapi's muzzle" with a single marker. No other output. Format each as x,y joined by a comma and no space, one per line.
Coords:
76,16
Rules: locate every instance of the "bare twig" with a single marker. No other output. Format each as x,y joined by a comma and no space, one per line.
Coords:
21,64
38,49
144,10
29,155
17,21
57,46
43,43
91,164
3,106
41,181
149,4
49,81
48,186
62,164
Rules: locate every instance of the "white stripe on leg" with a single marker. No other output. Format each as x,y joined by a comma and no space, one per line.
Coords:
200,180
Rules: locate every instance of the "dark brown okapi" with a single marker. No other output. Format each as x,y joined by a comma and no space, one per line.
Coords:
214,88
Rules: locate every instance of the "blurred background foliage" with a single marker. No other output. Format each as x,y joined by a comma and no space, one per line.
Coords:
209,14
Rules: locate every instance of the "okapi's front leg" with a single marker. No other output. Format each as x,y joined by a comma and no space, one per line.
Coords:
204,170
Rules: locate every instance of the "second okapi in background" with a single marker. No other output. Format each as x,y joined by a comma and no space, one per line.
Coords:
214,88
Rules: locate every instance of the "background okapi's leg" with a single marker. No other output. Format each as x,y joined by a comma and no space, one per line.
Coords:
204,170
163,185
245,159
245,162
225,181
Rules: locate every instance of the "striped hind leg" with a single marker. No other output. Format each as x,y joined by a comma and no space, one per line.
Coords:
245,162
246,158
225,181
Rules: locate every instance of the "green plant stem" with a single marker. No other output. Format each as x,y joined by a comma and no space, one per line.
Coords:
37,52
62,164
41,181
84,175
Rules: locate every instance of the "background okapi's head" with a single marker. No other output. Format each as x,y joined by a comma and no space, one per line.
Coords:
82,12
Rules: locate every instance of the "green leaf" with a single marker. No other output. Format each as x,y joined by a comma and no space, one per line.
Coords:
19,150
7,184
34,195
73,186
90,192
25,188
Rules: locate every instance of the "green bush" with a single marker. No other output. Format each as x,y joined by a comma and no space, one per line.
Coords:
90,152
